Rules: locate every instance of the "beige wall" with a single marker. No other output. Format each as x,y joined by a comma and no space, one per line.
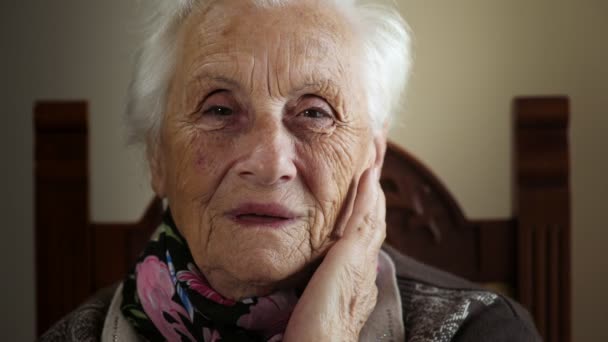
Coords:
472,57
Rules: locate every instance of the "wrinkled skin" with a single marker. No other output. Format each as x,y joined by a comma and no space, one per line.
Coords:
266,105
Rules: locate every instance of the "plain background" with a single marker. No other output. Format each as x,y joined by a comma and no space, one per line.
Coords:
471,58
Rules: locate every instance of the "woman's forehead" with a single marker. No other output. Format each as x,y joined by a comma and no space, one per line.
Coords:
230,15
298,40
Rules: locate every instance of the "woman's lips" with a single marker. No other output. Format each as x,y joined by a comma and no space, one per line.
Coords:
261,214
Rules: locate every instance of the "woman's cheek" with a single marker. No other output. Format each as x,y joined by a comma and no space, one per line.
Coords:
193,165
216,150
201,161
330,179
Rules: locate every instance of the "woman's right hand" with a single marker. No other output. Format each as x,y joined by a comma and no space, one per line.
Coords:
342,292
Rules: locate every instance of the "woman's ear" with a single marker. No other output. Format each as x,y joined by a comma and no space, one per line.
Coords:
156,165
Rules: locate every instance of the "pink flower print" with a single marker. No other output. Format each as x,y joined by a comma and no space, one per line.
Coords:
155,290
211,335
197,282
271,314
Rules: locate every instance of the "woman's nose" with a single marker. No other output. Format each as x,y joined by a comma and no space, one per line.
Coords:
270,157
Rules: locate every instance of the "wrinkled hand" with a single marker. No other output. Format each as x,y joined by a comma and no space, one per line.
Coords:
342,292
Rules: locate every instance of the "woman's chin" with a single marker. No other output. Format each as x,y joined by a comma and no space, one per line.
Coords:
266,267
257,273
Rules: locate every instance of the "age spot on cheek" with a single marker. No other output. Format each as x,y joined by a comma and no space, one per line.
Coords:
201,161
206,161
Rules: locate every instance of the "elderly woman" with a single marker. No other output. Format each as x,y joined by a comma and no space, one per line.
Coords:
265,127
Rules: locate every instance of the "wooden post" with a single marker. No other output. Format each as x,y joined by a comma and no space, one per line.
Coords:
542,204
62,210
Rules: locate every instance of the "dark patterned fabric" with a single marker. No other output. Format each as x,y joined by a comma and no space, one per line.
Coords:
435,314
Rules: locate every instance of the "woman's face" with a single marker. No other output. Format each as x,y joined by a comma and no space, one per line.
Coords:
265,131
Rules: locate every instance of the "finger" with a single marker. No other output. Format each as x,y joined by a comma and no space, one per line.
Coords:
379,232
381,204
364,209
347,210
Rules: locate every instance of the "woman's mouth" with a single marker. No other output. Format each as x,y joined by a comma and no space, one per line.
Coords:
271,215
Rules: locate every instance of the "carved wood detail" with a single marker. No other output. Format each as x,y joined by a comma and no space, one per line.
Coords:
425,222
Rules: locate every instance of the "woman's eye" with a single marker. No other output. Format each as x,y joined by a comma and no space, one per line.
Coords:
315,114
315,120
218,111
217,117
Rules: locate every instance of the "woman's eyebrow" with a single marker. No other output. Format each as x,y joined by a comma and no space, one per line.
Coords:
326,88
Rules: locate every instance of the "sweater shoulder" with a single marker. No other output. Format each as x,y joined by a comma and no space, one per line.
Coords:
439,306
85,323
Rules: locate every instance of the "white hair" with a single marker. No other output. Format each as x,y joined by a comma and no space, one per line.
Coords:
385,44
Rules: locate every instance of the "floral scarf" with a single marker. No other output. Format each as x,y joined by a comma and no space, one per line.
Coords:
167,298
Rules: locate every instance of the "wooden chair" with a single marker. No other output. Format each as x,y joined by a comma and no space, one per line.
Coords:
526,256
